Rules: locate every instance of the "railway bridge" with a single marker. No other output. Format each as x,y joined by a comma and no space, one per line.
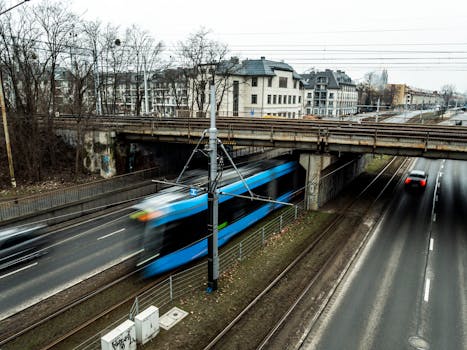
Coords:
320,143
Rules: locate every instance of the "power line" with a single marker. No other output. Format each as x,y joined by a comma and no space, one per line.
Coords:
382,30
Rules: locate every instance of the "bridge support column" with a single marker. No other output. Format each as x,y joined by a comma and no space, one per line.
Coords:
100,153
313,164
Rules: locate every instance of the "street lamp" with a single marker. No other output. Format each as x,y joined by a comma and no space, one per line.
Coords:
97,91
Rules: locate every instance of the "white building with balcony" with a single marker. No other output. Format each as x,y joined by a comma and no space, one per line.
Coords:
330,94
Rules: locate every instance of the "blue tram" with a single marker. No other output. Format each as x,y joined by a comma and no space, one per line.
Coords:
175,223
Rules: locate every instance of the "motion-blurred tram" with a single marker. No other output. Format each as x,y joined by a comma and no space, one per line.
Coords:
175,221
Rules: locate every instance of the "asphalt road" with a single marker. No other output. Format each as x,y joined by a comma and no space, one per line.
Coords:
73,255
408,289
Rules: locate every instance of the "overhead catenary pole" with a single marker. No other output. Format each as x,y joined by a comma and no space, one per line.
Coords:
213,257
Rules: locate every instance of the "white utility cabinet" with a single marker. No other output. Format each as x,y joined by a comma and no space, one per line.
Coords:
122,337
147,324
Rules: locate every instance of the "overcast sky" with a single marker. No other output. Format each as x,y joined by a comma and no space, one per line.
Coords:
420,43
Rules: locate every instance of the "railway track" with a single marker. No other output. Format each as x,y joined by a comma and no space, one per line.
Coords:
313,262
322,128
109,310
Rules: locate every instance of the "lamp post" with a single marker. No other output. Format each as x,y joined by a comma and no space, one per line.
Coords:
97,89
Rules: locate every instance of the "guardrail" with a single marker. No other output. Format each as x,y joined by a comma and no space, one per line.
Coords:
418,140
183,283
28,205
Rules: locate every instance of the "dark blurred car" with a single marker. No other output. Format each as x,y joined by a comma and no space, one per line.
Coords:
21,244
416,179
458,122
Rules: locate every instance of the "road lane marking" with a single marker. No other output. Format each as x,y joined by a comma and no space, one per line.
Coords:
131,255
431,243
427,290
87,231
146,260
21,269
113,233
434,217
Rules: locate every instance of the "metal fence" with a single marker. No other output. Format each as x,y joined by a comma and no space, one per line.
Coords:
27,205
24,206
183,283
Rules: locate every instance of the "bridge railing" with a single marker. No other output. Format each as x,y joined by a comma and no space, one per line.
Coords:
29,205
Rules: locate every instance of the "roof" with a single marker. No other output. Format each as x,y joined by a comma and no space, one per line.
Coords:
417,172
261,67
335,79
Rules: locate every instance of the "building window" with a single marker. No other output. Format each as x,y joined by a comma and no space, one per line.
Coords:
270,82
294,84
282,82
331,95
254,81
308,95
274,99
290,99
322,80
279,99
294,99
308,111
299,99
254,99
269,99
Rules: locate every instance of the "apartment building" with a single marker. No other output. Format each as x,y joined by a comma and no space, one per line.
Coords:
406,96
252,88
330,93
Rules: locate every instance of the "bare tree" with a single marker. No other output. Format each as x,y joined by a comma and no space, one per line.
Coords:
201,57
112,61
447,91
388,95
170,82
145,57
22,75
56,23
81,81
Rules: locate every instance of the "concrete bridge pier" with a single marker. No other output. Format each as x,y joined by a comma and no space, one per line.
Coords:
313,164
100,153
327,175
